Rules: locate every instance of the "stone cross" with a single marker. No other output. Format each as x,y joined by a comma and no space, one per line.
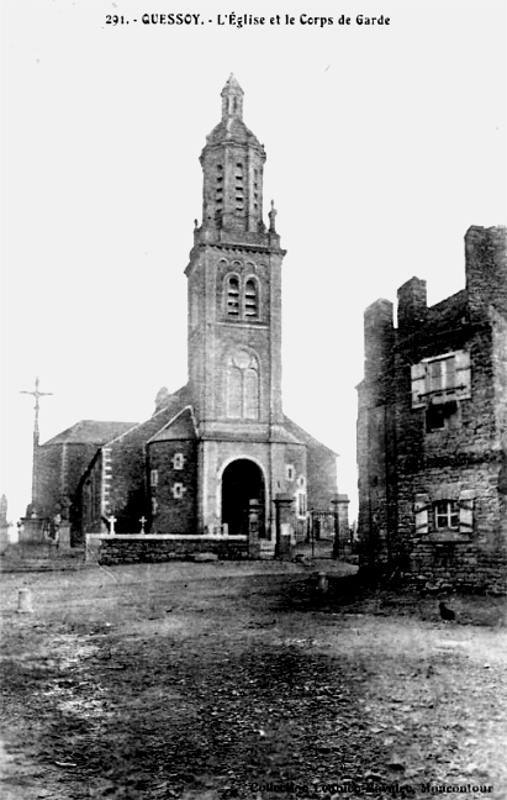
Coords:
143,522
36,393
112,520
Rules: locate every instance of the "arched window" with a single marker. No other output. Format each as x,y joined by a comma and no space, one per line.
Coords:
233,296
242,386
241,297
251,299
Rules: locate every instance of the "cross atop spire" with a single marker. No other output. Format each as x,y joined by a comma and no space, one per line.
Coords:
232,99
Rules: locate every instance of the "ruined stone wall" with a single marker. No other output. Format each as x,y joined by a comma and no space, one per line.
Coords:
432,430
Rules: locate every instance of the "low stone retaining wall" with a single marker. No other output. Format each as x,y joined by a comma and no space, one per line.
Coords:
136,548
457,565
470,573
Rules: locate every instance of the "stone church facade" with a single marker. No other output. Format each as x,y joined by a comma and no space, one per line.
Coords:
222,440
432,428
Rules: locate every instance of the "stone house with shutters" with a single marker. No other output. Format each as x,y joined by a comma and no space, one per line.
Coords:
221,442
432,428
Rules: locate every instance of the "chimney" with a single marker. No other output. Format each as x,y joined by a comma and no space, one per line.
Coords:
412,305
486,269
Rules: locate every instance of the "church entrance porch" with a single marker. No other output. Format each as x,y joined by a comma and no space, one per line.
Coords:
242,482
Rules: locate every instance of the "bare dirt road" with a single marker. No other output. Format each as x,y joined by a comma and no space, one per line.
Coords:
213,681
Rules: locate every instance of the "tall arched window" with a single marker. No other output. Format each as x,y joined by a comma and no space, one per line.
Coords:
242,386
239,196
251,298
233,296
219,194
220,183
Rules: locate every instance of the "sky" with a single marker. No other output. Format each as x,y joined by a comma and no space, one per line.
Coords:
384,144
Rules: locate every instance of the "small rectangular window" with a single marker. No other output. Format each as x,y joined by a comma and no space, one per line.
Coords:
446,515
178,460
178,491
442,415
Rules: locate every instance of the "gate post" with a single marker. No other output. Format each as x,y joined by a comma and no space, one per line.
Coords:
336,544
253,529
284,525
341,525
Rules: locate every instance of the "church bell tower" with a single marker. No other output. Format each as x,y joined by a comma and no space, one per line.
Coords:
234,284
234,303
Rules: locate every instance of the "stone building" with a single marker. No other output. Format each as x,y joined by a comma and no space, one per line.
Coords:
432,428
61,461
222,441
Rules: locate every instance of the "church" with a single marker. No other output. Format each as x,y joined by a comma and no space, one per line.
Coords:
222,441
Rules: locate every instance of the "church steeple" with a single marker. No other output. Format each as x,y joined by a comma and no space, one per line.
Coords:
234,286
232,163
232,99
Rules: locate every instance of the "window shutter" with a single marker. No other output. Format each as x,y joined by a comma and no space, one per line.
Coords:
466,511
421,513
463,376
418,376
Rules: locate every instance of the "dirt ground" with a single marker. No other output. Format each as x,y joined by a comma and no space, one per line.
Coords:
215,681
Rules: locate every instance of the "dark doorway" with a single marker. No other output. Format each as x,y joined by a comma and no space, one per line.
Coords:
242,481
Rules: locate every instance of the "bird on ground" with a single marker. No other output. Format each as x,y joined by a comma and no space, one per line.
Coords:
446,613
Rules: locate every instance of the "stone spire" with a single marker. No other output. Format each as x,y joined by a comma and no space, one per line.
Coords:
232,99
232,163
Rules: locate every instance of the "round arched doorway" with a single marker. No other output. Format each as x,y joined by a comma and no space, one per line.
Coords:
242,481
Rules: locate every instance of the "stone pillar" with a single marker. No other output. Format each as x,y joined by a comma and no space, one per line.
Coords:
285,525
341,523
254,511
336,542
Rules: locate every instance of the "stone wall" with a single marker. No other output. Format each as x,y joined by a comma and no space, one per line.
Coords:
174,494
117,482
473,558
134,549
